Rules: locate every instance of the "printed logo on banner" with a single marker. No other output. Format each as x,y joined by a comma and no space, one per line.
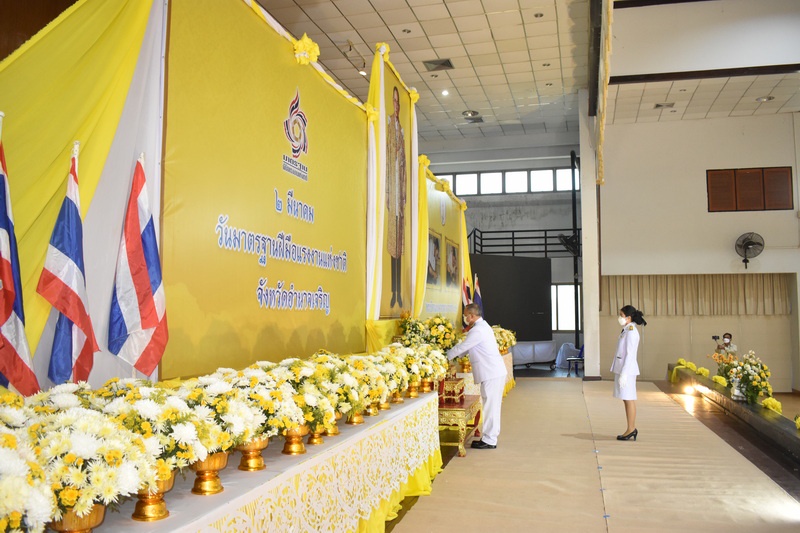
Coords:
295,129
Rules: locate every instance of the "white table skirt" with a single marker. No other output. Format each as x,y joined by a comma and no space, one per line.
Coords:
470,387
327,489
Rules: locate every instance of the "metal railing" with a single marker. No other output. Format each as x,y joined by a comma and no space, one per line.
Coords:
530,242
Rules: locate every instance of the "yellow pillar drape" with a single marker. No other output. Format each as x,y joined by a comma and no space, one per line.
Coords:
86,57
465,265
422,236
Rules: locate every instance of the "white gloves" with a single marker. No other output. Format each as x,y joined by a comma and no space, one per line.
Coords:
623,381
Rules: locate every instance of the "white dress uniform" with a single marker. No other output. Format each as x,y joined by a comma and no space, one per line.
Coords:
489,370
625,362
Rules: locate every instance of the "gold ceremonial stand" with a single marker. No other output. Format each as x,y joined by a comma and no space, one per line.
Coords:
464,418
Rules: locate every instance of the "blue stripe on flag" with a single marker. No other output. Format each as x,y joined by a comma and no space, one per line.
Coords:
117,329
68,233
61,357
8,225
151,255
3,380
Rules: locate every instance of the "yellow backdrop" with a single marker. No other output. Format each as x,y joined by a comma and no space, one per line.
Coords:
264,198
443,249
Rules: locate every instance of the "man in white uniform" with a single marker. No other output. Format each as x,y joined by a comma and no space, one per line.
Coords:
488,370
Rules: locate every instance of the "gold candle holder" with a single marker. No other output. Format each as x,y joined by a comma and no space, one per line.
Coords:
151,505
355,419
294,440
316,437
251,460
397,397
72,523
427,385
413,389
334,430
207,481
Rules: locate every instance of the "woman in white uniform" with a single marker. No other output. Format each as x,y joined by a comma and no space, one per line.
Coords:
626,368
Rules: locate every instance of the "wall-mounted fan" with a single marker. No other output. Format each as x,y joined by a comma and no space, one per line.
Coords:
570,243
749,245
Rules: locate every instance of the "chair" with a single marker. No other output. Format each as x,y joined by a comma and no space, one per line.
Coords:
577,360
567,350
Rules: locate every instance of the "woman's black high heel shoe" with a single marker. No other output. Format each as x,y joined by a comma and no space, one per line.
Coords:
629,436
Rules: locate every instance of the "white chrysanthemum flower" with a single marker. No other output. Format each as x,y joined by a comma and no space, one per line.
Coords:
184,433
218,387
153,447
235,423
65,388
65,401
116,406
12,417
148,409
11,464
147,392
85,445
39,502
307,370
129,477
310,399
178,403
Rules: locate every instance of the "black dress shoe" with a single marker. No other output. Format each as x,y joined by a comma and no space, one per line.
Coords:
480,445
632,435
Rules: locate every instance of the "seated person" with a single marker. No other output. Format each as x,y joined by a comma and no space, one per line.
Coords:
727,346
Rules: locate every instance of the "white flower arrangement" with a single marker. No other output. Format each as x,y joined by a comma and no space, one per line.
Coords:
505,338
318,411
13,411
90,458
172,432
27,502
218,402
334,379
61,398
366,372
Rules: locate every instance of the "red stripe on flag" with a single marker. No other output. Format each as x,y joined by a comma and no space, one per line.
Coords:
84,362
149,359
18,373
64,299
135,252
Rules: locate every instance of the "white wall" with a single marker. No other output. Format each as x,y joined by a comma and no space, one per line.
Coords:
731,33
655,217
655,220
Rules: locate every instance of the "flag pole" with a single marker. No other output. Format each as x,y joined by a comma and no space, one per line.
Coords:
1,123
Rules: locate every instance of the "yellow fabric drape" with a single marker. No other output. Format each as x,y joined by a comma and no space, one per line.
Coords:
422,236
700,294
465,264
380,333
68,82
418,484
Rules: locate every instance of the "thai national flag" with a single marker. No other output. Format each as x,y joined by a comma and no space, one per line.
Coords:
15,356
465,296
63,284
137,329
478,299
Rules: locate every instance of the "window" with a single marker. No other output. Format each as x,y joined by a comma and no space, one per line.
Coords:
564,179
466,184
517,181
535,181
749,189
541,180
562,300
491,182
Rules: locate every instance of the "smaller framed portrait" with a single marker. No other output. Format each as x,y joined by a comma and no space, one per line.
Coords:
452,265
434,258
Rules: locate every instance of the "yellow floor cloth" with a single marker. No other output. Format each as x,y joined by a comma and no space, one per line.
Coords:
418,484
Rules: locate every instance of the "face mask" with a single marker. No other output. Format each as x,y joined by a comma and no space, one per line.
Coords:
726,341
622,321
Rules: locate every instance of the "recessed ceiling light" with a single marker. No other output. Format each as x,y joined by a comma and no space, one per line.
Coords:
538,15
470,113
362,72
765,98
445,92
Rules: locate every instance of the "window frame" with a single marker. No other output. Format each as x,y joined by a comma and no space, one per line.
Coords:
554,307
